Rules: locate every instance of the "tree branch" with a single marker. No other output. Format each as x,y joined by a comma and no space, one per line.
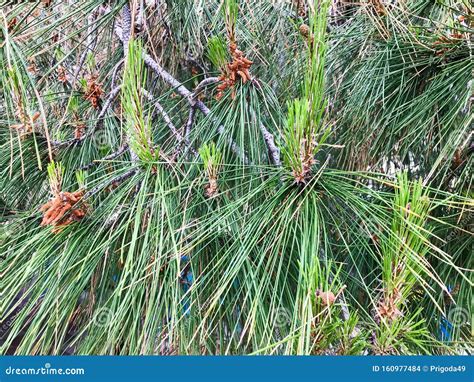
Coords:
205,82
273,150
189,123
117,179
177,86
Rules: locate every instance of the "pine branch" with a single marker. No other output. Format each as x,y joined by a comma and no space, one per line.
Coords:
99,122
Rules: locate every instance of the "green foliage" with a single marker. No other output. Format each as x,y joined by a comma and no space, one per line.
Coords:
305,131
210,155
138,128
217,51
81,177
231,10
55,176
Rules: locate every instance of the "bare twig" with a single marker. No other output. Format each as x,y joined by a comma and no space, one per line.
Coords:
177,86
273,150
111,156
115,72
195,63
168,121
203,84
189,123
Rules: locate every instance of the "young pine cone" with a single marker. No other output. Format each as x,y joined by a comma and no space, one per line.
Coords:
211,188
328,298
304,30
